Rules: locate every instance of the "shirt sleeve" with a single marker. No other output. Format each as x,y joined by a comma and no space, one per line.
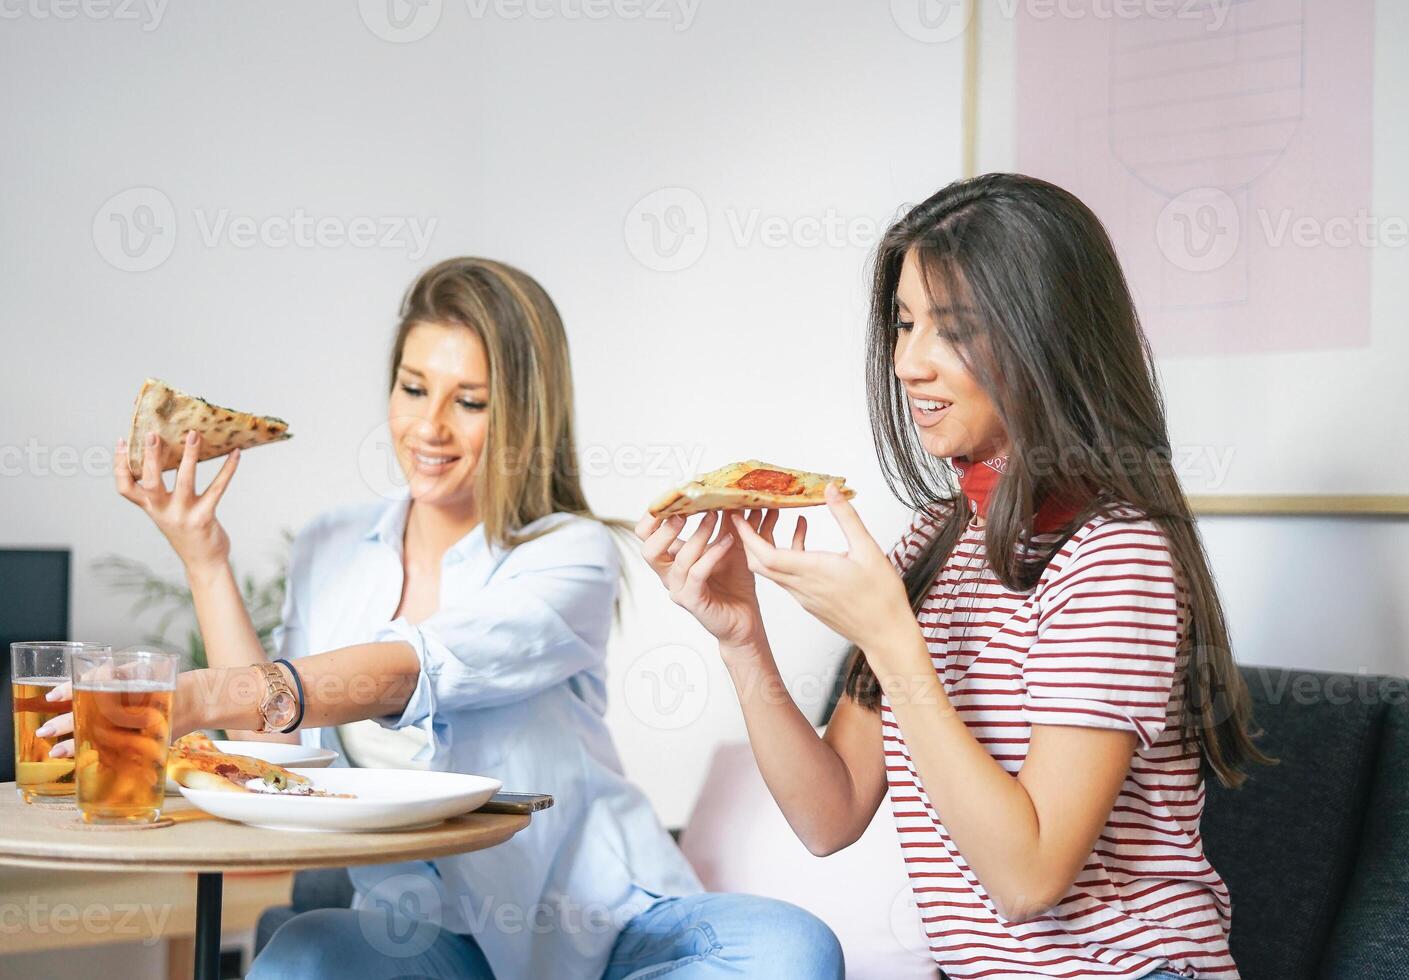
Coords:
1108,635
290,637
542,618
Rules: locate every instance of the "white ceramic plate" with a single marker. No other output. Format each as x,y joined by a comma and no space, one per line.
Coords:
279,753
385,799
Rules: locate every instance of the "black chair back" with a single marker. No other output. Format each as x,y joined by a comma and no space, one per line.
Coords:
34,605
1289,841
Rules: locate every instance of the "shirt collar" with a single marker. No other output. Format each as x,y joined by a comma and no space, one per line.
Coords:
390,525
390,529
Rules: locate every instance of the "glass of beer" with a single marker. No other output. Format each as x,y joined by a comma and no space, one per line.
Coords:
122,732
36,668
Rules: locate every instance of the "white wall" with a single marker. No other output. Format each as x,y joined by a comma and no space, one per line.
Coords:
794,129
534,140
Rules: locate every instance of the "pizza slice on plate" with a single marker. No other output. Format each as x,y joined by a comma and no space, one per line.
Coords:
195,762
171,412
747,484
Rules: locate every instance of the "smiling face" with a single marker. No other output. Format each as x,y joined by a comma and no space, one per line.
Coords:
438,412
953,415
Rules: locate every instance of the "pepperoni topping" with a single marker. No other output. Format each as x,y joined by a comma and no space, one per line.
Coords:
769,481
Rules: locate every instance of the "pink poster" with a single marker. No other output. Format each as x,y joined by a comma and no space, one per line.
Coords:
1226,145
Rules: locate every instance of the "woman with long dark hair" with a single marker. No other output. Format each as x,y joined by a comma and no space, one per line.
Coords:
1041,671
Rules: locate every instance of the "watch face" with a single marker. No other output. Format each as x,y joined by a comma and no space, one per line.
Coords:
279,710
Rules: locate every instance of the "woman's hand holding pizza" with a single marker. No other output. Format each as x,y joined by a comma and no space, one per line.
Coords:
711,581
185,517
859,594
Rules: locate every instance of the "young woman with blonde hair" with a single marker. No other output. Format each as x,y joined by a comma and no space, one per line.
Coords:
470,617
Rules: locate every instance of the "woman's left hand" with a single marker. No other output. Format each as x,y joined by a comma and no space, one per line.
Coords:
858,593
185,715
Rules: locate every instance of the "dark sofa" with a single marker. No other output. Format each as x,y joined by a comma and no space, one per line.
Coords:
1315,850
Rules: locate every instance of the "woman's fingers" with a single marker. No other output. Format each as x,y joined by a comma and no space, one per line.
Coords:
56,726
122,473
216,490
186,472
699,572
64,750
770,521
151,483
759,550
858,539
694,547
800,534
656,547
647,525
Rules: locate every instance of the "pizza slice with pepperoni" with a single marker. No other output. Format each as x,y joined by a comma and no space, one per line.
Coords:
746,485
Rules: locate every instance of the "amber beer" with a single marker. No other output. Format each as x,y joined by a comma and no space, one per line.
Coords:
122,732
35,773
36,668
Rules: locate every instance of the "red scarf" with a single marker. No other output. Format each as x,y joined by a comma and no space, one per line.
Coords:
979,480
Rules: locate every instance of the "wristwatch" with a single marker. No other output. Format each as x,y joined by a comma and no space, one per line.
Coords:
279,706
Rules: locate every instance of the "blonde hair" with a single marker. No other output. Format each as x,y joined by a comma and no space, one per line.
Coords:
529,469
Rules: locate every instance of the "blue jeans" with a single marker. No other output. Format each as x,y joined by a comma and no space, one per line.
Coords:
696,937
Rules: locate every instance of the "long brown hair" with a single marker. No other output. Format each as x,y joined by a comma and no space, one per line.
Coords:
530,465
1059,349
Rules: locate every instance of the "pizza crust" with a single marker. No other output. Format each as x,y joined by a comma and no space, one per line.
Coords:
171,412
712,491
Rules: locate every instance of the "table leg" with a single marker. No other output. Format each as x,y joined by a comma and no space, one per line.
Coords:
209,885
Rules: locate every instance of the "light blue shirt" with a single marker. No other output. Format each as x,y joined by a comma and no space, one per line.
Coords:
512,685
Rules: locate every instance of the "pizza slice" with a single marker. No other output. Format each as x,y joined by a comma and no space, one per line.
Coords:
171,412
194,761
747,484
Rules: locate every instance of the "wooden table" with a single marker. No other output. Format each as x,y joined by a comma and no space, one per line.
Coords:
49,836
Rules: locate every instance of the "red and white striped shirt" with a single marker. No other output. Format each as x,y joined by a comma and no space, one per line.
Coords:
1096,643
